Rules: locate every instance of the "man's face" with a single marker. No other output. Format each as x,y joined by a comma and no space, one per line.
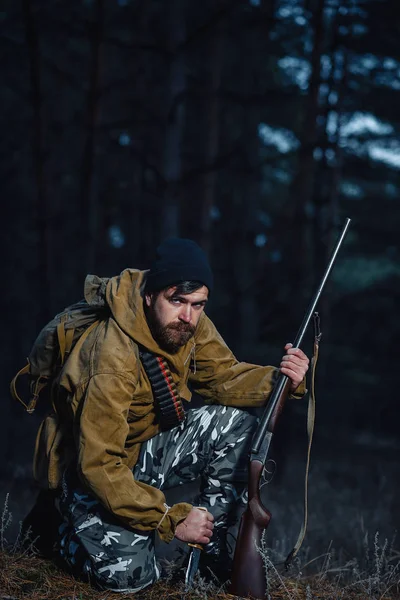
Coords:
173,317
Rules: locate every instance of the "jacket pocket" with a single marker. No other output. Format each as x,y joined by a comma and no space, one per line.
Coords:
138,410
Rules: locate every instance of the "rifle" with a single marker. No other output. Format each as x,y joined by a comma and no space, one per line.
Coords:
248,573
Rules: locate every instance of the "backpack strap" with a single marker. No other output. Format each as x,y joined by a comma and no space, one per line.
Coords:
13,384
65,338
37,387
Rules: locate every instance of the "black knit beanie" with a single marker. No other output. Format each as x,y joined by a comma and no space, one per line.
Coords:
178,260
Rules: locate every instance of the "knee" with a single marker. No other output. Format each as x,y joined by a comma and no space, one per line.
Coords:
110,564
235,419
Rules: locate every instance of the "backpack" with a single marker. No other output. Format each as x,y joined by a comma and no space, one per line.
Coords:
53,346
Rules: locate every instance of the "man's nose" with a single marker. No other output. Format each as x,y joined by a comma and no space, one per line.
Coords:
186,314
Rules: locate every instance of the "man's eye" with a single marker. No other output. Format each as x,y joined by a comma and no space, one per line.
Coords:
175,301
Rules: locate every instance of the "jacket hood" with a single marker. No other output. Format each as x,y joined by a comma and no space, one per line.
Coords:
124,295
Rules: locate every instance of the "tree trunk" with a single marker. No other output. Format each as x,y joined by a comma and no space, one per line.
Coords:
326,192
245,254
326,222
327,225
88,187
175,119
299,260
41,211
216,60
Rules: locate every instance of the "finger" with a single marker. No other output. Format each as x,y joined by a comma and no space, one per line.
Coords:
292,375
201,509
296,358
205,514
288,345
203,540
292,368
294,363
296,352
208,519
298,373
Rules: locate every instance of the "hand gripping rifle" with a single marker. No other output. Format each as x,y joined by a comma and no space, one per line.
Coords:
248,573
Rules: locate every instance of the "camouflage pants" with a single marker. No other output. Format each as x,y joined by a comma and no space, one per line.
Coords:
211,444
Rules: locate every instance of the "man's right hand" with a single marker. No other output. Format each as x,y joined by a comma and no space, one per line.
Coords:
197,528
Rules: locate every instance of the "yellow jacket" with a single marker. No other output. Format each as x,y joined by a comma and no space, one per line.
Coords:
104,403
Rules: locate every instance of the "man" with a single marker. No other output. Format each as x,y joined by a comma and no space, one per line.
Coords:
123,434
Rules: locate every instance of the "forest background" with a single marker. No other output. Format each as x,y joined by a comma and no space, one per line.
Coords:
254,127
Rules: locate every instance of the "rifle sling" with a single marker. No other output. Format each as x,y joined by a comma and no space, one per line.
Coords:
310,432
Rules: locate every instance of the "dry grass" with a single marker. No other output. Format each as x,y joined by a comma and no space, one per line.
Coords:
24,575
27,576
374,576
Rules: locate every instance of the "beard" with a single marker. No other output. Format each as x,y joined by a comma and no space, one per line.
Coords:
170,337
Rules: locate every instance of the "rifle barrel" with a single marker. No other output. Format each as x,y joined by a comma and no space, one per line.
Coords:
282,380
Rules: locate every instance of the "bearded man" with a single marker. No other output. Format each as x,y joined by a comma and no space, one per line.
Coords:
124,434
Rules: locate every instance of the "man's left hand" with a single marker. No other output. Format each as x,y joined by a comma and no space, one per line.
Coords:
295,365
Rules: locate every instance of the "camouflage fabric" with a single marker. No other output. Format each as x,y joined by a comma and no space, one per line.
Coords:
211,444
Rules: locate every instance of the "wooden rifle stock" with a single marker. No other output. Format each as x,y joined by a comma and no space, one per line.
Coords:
248,576
248,572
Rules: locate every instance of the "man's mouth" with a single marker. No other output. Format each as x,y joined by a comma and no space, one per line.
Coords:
181,327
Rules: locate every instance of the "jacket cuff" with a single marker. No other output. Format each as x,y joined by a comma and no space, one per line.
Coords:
300,391
176,514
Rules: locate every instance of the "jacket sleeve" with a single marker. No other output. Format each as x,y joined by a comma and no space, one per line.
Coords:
102,458
220,378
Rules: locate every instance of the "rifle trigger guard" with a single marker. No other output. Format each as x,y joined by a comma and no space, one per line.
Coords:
269,470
